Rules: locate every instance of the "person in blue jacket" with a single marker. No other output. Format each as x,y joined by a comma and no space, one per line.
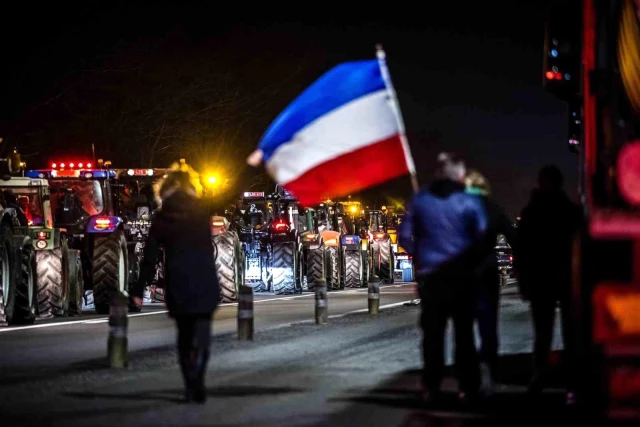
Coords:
442,230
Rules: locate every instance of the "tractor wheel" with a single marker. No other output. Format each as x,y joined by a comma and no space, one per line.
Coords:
227,268
315,267
25,297
386,262
283,268
7,276
109,268
53,282
76,283
353,269
333,276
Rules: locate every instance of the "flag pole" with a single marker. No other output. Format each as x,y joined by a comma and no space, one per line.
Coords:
380,53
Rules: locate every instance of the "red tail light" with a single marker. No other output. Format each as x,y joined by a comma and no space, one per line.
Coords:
103,223
279,226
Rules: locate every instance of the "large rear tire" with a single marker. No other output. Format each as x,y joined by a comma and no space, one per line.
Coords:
333,276
283,268
8,275
110,268
26,303
227,267
353,276
76,283
386,261
315,267
53,281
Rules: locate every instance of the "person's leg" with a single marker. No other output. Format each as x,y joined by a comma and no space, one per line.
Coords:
568,340
487,315
202,340
543,308
186,356
433,321
466,354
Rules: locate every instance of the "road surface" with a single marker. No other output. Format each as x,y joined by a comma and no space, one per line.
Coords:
358,370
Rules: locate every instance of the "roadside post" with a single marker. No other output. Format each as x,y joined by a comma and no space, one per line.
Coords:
322,316
245,313
374,298
118,342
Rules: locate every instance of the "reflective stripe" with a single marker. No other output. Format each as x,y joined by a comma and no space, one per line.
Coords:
245,314
117,332
374,296
321,303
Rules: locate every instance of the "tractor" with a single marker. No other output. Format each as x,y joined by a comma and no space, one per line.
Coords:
84,203
355,242
60,285
18,274
135,190
383,256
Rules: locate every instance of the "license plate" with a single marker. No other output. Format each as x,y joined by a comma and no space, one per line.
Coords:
253,269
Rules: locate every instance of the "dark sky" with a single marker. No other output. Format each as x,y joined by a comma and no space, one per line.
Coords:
468,75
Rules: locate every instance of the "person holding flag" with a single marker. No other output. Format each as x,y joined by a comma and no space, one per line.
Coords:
441,230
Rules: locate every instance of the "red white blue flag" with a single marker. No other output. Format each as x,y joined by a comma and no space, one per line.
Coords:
343,134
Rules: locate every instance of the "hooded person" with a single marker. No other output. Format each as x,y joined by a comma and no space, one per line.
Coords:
487,276
182,227
441,231
543,260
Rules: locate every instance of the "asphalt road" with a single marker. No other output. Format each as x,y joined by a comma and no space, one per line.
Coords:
358,370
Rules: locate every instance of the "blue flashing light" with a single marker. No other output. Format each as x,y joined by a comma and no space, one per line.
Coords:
38,174
567,76
554,53
86,174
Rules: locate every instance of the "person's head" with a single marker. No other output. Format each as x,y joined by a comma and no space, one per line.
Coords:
477,183
177,181
450,167
550,178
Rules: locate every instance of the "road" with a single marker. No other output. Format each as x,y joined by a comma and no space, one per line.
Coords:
358,370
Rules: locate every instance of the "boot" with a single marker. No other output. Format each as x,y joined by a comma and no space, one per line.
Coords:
200,369
486,380
187,364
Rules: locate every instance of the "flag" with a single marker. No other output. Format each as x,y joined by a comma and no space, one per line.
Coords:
343,134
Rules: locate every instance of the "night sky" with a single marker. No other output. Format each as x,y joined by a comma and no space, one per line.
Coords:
468,77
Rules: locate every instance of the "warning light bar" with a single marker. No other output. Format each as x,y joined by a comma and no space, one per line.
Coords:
72,165
254,194
140,172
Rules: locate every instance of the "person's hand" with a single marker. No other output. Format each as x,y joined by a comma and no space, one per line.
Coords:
137,301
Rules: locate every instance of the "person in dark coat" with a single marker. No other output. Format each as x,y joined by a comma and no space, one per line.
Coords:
440,230
543,263
487,277
182,227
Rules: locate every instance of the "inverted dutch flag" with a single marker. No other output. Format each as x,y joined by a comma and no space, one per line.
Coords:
343,134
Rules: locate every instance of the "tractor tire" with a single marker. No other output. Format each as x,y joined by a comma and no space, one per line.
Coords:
26,304
333,274
76,283
227,268
315,267
53,282
375,257
386,262
353,276
109,268
283,268
7,276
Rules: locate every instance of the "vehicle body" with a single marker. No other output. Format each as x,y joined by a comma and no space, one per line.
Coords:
357,250
403,270
597,43
136,202
321,248
60,285
383,254
267,227
84,203
504,256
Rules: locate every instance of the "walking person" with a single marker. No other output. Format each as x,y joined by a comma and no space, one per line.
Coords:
543,264
182,227
440,231
487,277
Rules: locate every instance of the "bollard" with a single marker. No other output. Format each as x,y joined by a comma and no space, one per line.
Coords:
374,298
322,316
245,313
118,324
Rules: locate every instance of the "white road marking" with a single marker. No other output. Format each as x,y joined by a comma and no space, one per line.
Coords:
153,313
